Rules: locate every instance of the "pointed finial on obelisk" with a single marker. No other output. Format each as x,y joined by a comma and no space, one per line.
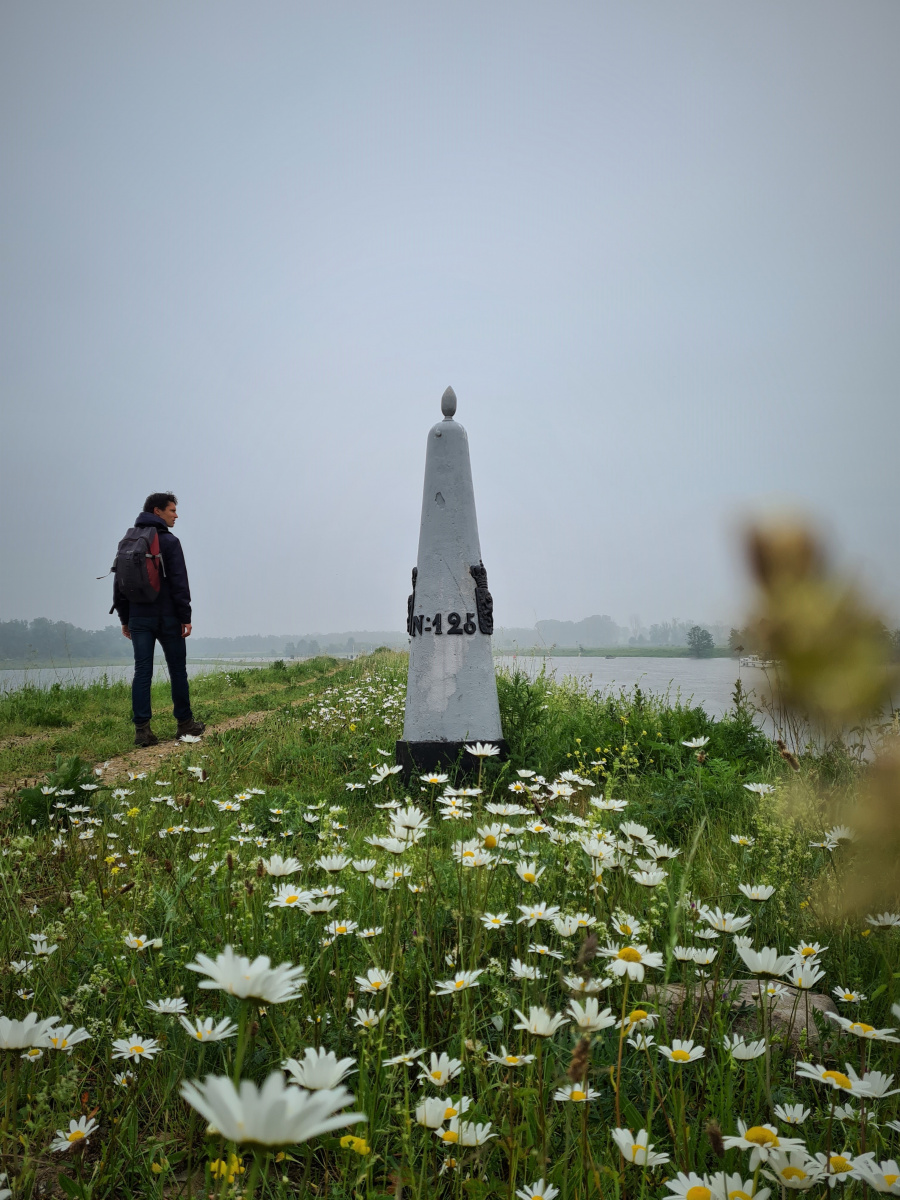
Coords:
448,404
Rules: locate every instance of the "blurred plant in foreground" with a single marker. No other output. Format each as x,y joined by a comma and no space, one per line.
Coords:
834,670
829,643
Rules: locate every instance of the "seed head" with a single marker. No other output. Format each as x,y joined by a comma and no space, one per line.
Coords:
714,1133
588,952
786,754
578,1067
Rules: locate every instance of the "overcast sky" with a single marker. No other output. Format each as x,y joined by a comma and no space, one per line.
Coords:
654,247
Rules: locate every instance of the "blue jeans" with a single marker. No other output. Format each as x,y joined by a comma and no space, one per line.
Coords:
145,633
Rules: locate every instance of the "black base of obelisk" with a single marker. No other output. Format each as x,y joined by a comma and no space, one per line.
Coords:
421,758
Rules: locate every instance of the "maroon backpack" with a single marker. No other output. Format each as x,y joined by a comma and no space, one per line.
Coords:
138,565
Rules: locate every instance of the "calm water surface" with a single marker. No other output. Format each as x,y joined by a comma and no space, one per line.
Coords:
44,677
708,682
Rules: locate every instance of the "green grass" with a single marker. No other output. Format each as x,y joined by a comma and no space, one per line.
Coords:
147,869
94,721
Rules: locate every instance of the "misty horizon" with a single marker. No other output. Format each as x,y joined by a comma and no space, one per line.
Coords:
20,641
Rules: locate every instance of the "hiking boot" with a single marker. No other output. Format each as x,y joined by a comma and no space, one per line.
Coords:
191,726
144,735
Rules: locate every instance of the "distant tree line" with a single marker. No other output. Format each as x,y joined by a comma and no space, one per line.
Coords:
304,648
592,631
43,640
679,633
604,631
58,642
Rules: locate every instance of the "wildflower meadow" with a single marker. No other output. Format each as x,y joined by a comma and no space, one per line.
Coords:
615,964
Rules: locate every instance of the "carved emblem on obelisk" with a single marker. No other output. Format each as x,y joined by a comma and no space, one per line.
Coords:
484,601
411,603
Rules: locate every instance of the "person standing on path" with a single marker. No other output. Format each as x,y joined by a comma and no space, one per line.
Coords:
166,620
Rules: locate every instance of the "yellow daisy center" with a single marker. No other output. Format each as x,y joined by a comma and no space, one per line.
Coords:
449,1112
291,899
862,1027
512,1059
577,1094
528,876
738,1195
629,954
199,1035
760,1136
468,854
626,929
136,1049
437,1074
636,1015
890,1180
376,984
838,1078
449,1135
839,1163
793,1173
697,1192
681,1056
490,842
75,1135
341,929
807,951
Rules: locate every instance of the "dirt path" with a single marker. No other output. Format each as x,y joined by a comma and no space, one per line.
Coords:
144,758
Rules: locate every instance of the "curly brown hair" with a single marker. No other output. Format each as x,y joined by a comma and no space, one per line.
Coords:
159,500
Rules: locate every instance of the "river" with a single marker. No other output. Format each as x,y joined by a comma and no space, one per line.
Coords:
44,677
708,682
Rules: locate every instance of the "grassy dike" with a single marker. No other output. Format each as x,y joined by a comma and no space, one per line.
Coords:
93,721
528,931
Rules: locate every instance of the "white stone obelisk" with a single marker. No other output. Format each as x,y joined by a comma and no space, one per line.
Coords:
451,695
